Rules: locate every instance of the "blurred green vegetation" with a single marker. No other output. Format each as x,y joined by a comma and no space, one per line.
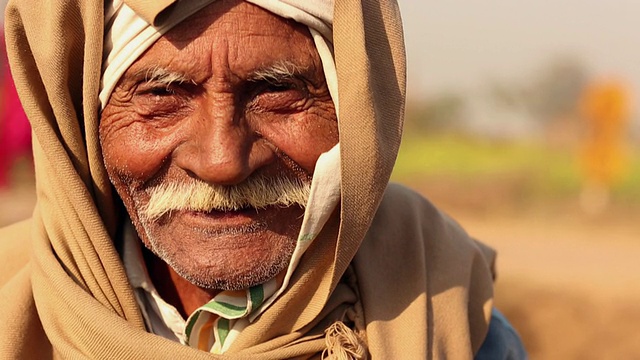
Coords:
538,171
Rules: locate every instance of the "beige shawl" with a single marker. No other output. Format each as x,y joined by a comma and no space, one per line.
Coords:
411,281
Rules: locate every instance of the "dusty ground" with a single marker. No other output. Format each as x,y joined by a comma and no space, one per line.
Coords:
569,283
572,290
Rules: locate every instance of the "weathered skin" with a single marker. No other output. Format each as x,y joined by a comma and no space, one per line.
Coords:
220,126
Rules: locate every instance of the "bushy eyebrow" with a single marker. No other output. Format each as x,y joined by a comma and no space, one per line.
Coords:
281,70
273,73
163,76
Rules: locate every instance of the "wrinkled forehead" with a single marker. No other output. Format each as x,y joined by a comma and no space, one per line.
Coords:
127,35
235,31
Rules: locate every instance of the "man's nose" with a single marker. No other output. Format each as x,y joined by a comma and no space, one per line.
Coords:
221,149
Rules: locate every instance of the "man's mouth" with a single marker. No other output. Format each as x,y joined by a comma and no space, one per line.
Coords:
215,222
242,215
226,214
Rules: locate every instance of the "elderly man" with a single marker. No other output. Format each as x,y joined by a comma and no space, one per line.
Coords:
249,145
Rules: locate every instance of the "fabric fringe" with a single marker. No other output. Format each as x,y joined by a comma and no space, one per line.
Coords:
343,343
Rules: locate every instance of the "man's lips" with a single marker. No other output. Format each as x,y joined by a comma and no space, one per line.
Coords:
215,223
218,218
247,220
224,214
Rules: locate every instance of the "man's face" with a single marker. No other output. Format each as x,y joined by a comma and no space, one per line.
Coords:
225,108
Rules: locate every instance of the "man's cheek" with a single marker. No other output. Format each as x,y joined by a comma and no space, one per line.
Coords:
130,154
308,142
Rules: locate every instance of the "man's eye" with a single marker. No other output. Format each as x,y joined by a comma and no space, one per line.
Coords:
159,100
278,97
279,87
160,91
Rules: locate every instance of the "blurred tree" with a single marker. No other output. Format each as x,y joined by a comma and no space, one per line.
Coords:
554,92
557,92
550,100
436,115
506,95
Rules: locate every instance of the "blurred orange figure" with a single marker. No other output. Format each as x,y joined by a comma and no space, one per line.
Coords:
606,108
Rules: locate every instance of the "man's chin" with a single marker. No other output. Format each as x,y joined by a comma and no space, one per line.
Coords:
223,252
229,269
233,282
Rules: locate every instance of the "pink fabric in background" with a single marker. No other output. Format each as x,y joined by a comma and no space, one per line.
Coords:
15,131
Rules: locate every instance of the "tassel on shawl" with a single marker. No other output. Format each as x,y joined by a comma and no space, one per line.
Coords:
343,343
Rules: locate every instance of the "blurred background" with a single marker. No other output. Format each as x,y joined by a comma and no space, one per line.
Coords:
523,124
17,186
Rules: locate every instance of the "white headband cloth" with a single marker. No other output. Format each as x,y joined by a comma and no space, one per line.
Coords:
127,35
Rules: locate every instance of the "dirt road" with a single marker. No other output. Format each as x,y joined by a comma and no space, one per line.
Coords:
570,284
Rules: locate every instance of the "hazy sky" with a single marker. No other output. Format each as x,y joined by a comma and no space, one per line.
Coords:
456,45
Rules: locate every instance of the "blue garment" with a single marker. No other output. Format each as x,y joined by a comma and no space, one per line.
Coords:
502,341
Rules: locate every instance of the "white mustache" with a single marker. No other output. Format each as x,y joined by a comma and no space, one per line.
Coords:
256,192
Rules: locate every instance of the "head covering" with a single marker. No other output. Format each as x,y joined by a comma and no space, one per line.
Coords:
409,280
